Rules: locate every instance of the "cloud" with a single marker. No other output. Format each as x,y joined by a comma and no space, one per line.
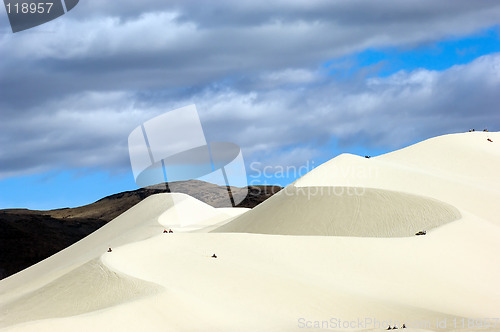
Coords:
90,129
72,90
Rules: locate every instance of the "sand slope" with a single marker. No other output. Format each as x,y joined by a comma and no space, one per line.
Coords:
138,223
88,288
343,211
188,214
459,169
269,282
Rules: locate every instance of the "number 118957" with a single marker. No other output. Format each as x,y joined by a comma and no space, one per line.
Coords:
29,8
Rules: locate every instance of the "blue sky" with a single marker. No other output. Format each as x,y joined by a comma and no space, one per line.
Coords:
439,55
292,84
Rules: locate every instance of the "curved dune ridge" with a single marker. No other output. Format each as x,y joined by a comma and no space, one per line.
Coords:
459,169
75,281
343,211
140,222
90,287
190,214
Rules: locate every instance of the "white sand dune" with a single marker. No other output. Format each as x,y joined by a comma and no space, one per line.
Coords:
349,195
268,283
260,282
88,288
343,211
138,223
459,169
188,214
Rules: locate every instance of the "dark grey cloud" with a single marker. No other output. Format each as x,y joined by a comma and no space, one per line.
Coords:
228,13
72,90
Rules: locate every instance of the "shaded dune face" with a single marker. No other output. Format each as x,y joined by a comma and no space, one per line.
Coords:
88,288
343,211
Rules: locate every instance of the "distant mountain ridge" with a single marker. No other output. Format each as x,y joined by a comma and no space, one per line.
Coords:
29,236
